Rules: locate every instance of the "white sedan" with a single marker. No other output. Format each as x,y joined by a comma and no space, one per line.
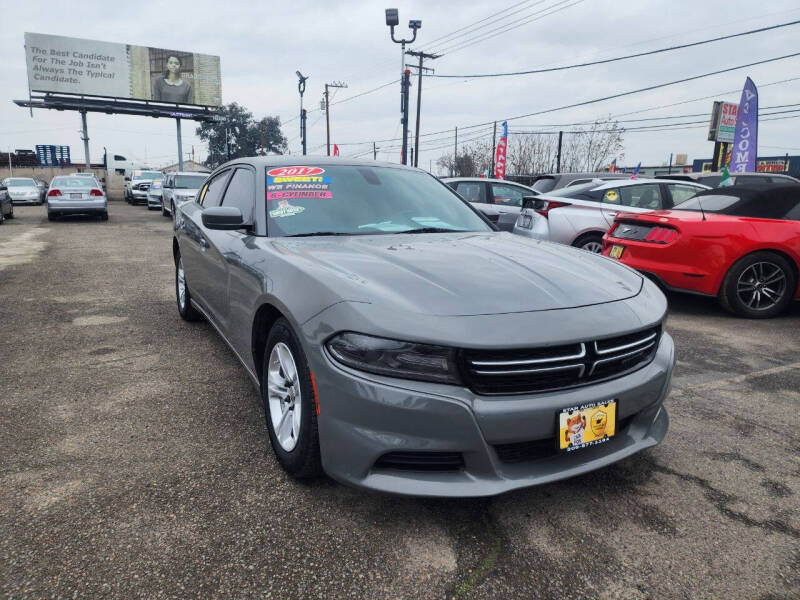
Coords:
580,215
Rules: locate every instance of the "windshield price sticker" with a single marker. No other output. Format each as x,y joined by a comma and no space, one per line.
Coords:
298,195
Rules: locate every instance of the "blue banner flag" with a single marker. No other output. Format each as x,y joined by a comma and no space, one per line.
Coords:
745,140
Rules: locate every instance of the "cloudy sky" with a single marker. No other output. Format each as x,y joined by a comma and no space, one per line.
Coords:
262,44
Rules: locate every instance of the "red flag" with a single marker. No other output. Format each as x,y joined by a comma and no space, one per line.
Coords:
335,150
500,155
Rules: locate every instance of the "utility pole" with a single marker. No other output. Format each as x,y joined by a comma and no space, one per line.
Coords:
374,151
180,144
494,142
335,84
558,154
455,154
669,172
392,20
301,87
420,68
404,112
85,138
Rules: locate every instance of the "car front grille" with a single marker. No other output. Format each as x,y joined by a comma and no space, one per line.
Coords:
421,461
531,370
142,187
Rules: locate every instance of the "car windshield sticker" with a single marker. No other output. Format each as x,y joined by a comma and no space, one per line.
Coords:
298,183
285,210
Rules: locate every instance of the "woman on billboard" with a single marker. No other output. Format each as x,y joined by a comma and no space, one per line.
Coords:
171,87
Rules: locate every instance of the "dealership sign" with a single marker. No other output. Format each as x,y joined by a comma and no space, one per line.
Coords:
58,64
723,122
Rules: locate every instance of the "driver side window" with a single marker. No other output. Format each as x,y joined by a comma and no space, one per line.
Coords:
211,194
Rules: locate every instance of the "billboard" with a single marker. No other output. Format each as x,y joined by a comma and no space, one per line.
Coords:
723,122
67,65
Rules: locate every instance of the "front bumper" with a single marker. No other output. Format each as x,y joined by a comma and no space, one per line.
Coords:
26,199
363,417
153,201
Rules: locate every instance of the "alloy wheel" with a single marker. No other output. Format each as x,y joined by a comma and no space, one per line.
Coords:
593,246
284,396
761,286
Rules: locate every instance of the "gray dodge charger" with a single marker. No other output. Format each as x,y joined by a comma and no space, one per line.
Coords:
402,344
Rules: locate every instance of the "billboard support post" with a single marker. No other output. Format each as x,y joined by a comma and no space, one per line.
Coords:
85,138
180,144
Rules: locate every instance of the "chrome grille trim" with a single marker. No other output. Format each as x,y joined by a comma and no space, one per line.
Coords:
615,349
602,361
531,361
579,366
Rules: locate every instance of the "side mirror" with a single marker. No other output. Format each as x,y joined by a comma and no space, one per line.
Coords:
223,217
127,178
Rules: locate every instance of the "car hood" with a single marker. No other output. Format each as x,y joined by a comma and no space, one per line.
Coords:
461,274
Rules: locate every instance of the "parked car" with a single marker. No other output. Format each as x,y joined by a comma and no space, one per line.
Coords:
6,205
70,195
180,187
713,179
580,215
499,200
22,190
741,244
138,185
555,181
42,187
154,196
401,344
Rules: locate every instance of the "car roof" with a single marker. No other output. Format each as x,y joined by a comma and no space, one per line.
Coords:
640,180
449,179
312,161
189,173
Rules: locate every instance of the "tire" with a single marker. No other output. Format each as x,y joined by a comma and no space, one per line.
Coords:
51,216
185,308
104,216
11,214
297,450
164,212
591,242
758,286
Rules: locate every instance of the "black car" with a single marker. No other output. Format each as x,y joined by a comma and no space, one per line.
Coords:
6,206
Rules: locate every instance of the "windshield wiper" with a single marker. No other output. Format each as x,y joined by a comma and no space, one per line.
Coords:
319,233
431,230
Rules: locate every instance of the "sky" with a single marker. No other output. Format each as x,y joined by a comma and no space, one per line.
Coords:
262,44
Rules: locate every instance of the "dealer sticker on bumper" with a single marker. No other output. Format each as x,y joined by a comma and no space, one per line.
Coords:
586,425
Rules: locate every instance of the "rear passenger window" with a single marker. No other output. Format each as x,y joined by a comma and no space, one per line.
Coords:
647,195
211,194
681,193
241,193
471,191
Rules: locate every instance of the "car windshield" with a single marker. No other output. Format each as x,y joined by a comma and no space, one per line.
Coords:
71,182
148,175
20,183
189,182
356,200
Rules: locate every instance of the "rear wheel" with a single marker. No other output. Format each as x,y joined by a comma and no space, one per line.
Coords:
758,286
182,295
11,212
289,404
104,216
591,242
164,212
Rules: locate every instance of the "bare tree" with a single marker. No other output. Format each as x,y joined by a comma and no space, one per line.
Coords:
589,148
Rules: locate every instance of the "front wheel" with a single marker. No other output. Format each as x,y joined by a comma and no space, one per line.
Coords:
290,404
591,242
758,286
182,295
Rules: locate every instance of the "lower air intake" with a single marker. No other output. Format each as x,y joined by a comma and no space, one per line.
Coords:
421,461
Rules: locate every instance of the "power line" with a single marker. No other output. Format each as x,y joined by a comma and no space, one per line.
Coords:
500,30
618,58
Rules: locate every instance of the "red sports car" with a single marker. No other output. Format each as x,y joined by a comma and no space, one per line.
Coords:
741,244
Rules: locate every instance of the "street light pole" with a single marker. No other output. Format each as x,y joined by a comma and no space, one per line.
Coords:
392,20
301,87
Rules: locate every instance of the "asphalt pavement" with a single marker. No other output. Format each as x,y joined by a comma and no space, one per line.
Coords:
134,460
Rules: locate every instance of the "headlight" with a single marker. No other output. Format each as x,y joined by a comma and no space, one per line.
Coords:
394,358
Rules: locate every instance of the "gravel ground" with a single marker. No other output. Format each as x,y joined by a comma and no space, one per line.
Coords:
134,461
